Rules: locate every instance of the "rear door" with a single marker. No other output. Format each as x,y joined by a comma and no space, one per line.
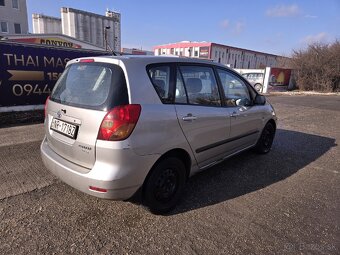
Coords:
78,103
204,122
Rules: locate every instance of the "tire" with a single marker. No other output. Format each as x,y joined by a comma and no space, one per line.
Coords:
264,144
258,87
164,186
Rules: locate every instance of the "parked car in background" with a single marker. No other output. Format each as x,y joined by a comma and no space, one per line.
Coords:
116,125
255,79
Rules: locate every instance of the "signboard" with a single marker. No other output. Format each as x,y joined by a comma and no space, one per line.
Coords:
48,41
204,52
28,73
279,79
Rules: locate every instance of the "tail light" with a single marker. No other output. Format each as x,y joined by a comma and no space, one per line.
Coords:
45,107
119,123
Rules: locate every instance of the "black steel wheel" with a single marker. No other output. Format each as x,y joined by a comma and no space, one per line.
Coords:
164,186
265,142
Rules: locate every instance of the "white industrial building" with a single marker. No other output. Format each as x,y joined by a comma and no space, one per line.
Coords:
228,55
43,24
84,26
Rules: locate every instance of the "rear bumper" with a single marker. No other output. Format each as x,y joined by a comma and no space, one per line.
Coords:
121,177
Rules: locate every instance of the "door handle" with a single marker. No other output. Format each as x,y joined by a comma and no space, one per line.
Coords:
234,114
189,117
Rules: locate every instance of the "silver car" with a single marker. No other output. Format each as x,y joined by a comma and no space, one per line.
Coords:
116,125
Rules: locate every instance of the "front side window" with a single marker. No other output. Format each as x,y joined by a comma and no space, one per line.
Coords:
2,2
15,4
160,78
236,92
4,27
200,86
17,28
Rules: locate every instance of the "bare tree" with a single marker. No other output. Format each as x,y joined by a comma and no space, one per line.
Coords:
318,67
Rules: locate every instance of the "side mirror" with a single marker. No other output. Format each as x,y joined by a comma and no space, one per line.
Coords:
260,100
243,102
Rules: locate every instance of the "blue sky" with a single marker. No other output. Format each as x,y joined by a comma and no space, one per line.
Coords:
275,27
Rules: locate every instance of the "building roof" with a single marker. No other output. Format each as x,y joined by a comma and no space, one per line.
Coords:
69,9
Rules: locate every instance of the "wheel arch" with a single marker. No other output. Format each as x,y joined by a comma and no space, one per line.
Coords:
181,154
271,121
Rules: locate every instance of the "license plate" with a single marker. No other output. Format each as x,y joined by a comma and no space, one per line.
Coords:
64,128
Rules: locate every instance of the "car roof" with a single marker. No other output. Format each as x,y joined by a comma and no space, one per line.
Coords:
149,59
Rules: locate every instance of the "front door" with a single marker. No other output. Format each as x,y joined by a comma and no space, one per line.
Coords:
245,118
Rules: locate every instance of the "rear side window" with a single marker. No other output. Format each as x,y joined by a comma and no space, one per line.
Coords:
160,78
97,86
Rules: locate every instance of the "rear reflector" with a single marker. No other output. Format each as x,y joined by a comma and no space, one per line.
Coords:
119,123
98,189
87,60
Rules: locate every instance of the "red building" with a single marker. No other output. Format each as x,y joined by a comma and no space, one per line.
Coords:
228,55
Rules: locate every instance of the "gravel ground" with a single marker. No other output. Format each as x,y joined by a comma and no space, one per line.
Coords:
285,202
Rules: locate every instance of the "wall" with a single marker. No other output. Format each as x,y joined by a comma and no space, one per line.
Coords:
12,15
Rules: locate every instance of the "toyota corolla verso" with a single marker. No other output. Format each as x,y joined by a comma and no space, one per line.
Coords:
115,125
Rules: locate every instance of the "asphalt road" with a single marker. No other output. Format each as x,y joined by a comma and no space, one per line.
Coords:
285,202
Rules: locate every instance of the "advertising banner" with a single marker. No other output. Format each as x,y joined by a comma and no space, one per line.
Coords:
28,73
279,79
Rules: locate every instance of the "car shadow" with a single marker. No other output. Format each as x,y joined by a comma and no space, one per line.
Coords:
248,171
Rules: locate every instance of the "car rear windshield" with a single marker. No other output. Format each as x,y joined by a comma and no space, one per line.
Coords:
98,86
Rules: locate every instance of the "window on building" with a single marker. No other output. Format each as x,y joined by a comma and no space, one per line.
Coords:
2,2
172,51
17,28
4,27
196,53
15,4
215,53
